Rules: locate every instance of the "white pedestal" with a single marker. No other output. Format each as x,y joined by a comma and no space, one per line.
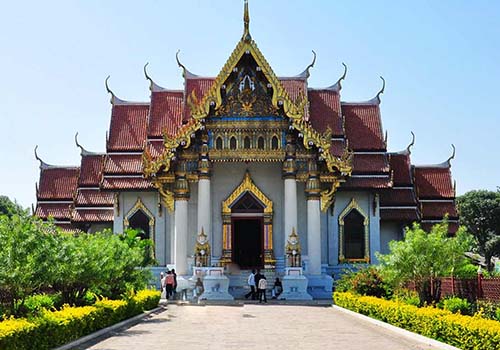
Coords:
294,285
215,283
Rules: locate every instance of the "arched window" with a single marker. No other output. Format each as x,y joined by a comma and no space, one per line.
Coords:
218,143
274,142
232,143
246,142
354,235
140,221
260,142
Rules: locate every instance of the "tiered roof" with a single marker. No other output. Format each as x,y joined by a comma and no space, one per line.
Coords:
407,193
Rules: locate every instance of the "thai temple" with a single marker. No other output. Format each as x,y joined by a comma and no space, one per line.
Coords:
250,170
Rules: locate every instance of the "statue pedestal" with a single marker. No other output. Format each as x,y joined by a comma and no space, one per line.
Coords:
215,283
294,285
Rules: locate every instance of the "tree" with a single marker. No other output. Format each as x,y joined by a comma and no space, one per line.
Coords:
9,208
480,213
424,257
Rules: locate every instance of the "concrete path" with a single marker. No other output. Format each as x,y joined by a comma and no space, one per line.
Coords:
254,327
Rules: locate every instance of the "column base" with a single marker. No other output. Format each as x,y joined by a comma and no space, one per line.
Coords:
320,286
294,285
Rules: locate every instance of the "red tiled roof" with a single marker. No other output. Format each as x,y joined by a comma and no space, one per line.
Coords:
69,228
324,107
56,210
126,183
91,169
156,148
128,128
370,163
200,85
93,215
437,210
363,126
397,197
123,164
166,112
294,87
367,182
57,183
407,215
400,164
433,182
91,197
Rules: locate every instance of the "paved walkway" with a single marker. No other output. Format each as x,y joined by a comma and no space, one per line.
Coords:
254,327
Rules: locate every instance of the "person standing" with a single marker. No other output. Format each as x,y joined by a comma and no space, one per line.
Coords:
258,277
174,290
262,286
251,283
169,284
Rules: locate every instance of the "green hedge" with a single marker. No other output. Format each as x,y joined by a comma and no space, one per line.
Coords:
55,328
464,332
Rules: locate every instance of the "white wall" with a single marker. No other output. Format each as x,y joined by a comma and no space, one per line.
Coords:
389,231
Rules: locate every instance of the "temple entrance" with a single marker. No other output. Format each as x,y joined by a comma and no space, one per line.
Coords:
248,249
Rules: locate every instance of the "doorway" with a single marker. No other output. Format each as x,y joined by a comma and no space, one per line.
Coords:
247,245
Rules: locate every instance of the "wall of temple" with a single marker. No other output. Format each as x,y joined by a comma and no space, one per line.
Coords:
100,227
127,200
368,202
389,231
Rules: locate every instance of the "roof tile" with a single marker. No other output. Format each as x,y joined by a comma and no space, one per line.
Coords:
58,211
91,169
363,126
57,183
400,164
370,163
166,112
128,128
433,182
325,111
93,197
93,215
123,164
126,183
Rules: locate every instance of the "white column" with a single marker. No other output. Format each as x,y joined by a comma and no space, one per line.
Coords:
181,230
204,207
290,207
314,236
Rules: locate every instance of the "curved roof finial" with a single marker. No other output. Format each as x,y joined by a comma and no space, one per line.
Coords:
184,69
408,149
246,22
311,64
42,163
383,88
109,90
146,73
452,155
78,144
344,74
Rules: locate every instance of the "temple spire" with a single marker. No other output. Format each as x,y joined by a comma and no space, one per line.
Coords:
246,22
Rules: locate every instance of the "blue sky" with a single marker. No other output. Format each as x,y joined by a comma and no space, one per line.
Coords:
440,60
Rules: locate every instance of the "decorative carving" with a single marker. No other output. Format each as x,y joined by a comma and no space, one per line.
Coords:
353,205
202,250
293,250
328,195
247,185
139,205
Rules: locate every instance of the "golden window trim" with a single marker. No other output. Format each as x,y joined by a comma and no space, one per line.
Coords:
139,205
353,205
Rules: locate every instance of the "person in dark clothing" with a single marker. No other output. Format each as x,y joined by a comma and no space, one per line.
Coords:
277,288
174,288
258,277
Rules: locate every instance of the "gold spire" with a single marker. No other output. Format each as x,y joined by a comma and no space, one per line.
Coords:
246,22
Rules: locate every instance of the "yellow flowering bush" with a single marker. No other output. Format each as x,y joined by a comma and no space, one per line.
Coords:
465,332
55,328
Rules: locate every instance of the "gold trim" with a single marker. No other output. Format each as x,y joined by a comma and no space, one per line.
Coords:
139,205
247,185
328,195
353,205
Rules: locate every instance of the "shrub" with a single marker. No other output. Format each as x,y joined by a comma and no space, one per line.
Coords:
497,314
486,309
33,305
54,328
456,305
406,296
465,332
367,281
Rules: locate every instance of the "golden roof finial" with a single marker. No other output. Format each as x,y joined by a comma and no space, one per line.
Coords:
246,22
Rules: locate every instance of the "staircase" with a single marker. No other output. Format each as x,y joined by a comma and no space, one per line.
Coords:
238,285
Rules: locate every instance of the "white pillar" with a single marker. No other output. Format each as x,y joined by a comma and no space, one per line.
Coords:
181,230
314,236
204,207
290,207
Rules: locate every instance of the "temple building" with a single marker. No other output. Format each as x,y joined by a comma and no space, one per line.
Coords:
267,171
